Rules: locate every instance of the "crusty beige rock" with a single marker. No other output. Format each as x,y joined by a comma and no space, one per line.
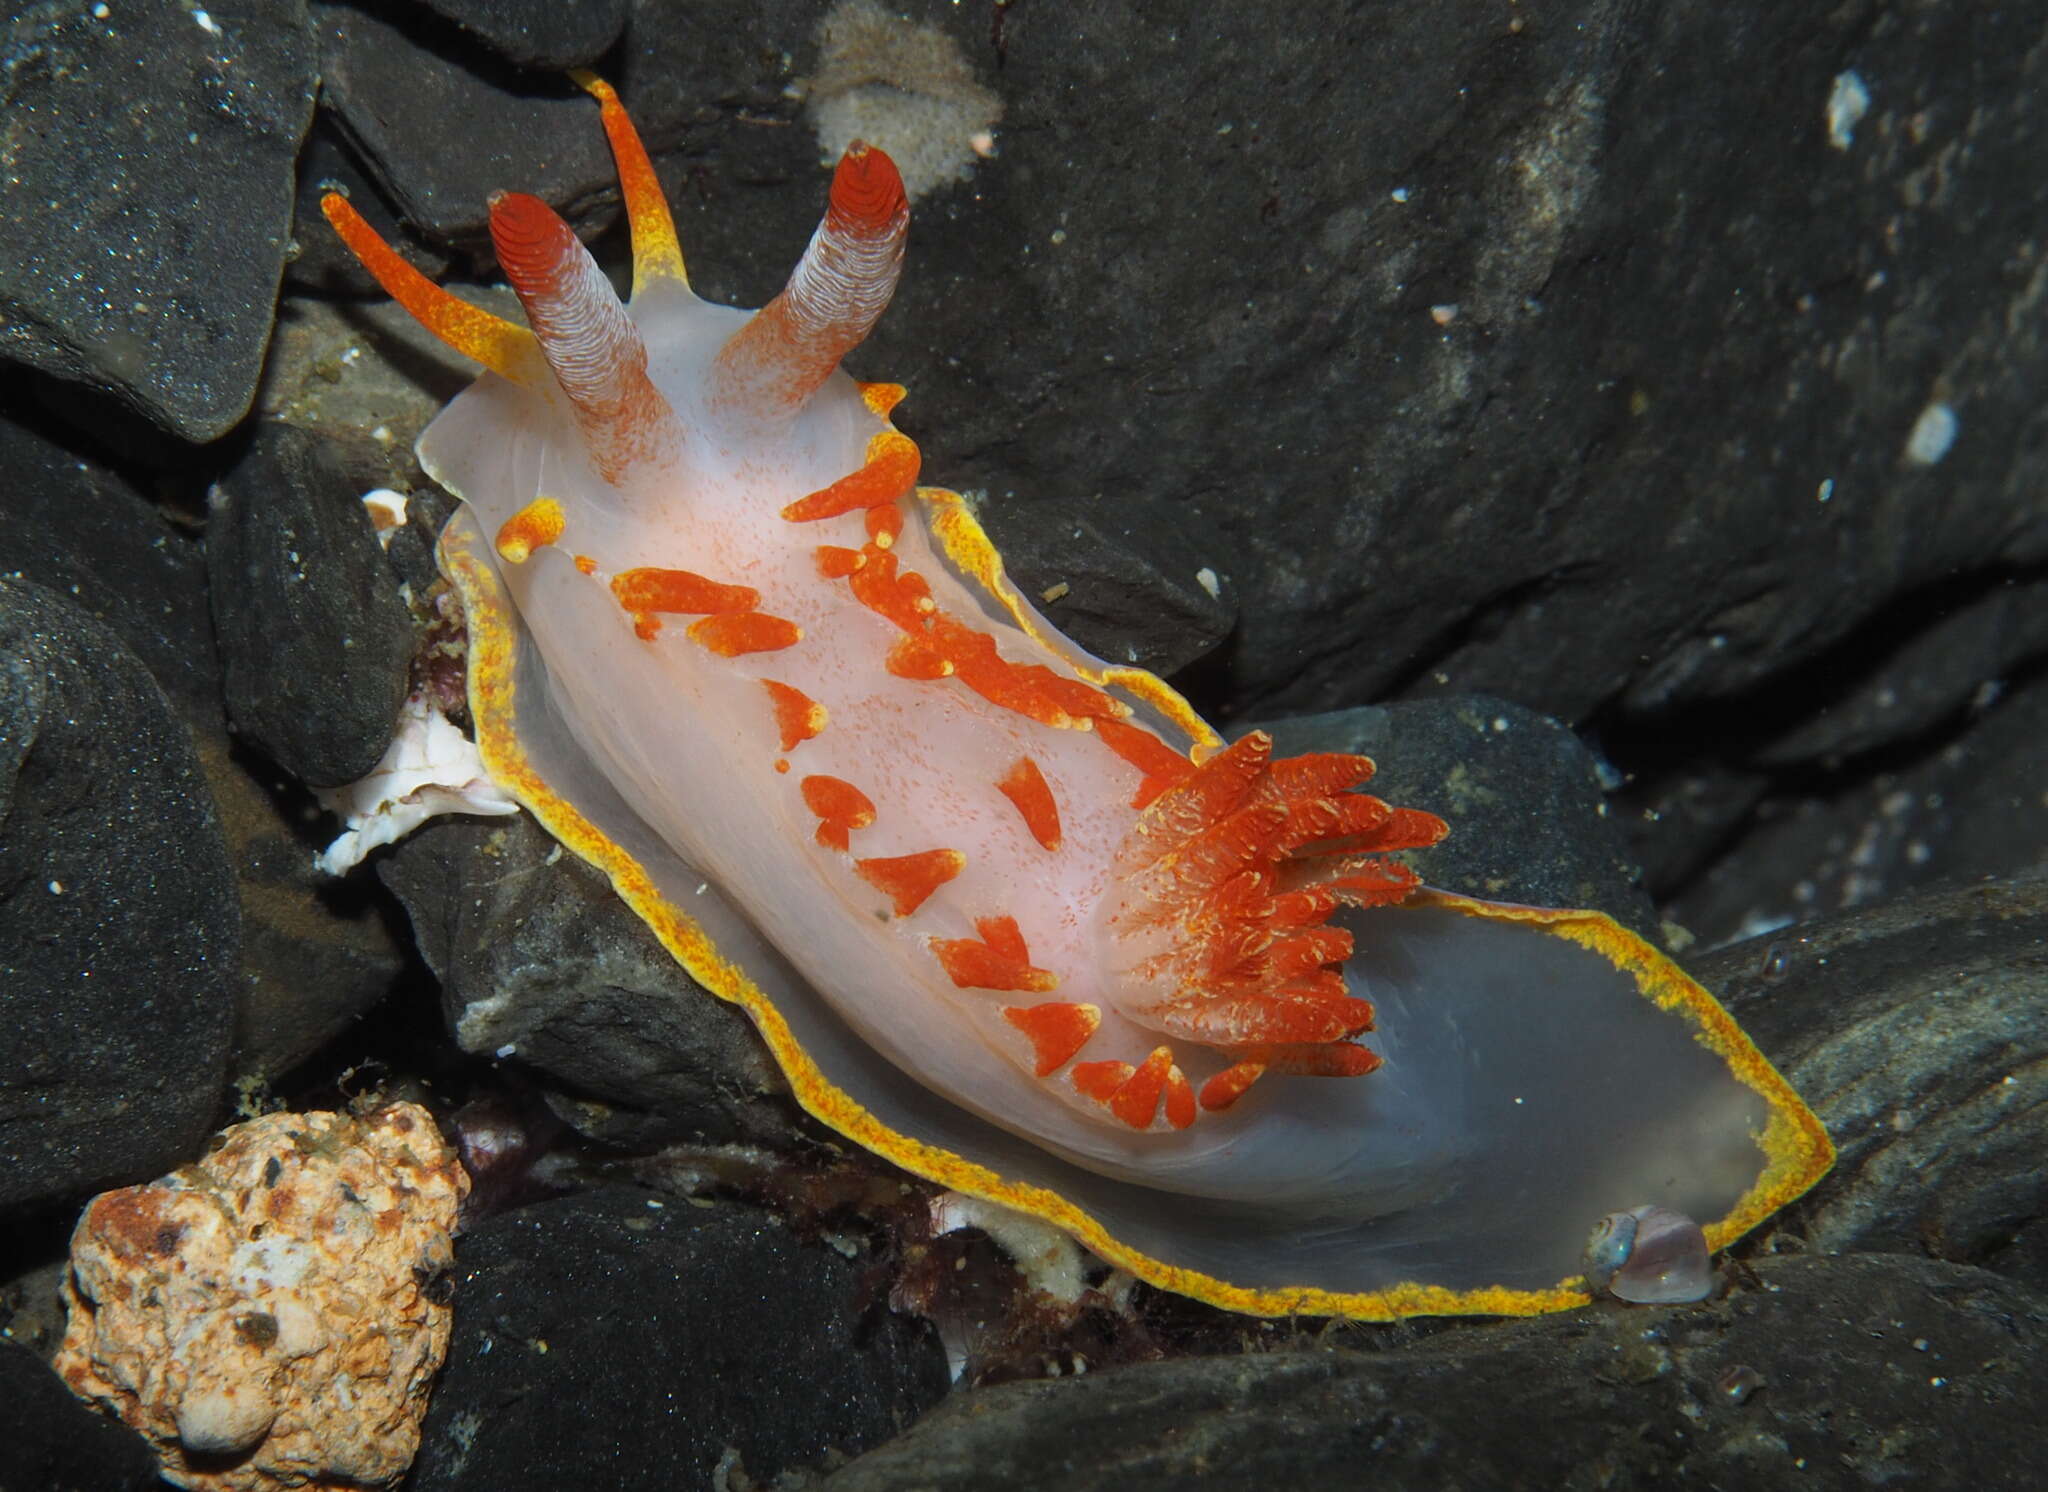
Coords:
275,1313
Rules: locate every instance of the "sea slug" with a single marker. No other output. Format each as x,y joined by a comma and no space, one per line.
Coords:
1010,916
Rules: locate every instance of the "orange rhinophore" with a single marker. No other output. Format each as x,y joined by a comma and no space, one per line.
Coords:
1280,1073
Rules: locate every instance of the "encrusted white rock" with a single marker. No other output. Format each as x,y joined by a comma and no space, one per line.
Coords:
273,1314
429,768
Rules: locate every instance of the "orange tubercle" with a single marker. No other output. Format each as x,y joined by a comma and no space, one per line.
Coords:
740,632
798,717
890,472
1056,1030
997,960
840,806
1229,1085
535,526
1162,766
1026,788
907,880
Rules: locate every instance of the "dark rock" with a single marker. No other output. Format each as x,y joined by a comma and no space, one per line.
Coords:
145,211
440,133
1823,1373
1918,1032
538,33
117,912
1132,596
56,1442
1970,806
537,954
322,262
1521,793
78,529
612,1339
315,640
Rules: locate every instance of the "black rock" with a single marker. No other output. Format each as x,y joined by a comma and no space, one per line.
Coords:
1818,1373
118,916
145,211
440,133
538,957
315,639
1522,794
56,1442
78,529
538,33
1918,1032
614,1339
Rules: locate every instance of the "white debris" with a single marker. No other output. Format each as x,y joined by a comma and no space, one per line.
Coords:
1848,102
1047,1258
387,512
1933,433
429,768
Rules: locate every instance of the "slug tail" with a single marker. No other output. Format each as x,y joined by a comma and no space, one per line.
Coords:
507,349
657,253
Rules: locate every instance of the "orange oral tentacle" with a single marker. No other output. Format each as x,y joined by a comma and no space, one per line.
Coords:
506,348
657,255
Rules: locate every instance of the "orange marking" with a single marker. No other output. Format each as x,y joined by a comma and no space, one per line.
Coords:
880,398
840,806
535,526
908,879
836,562
586,564
997,959
1100,1080
1229,1085
680,591
798,717
1025,786
1057,1031
884,524
1003,935
1136,1102
889,472
507,349
911,659
745,632
1180,1099
782,764
1162,765
655,250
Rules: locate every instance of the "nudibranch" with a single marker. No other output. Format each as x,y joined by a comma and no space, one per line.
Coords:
1012,917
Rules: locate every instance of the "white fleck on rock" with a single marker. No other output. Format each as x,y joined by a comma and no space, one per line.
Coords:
270,1315
429,768
1848,102
1933,433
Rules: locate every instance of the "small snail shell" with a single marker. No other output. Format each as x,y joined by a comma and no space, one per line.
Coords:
1649,1255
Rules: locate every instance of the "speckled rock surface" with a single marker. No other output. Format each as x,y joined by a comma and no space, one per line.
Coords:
118,921
314,636
274,1313
617,1339
1918,1030
161,136
539,960
1816,1373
